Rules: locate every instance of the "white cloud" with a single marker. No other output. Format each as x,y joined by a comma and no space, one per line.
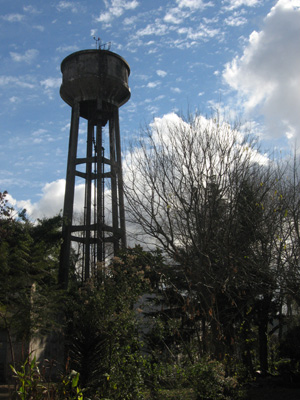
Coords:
184,9
235,21
13,17
173,17
152,85
51,201
15,81
176,90
39,132
68,5
161,73
193,4
116,9
65,128
266,76
202,32
40,28
156,28
31,10
37,141
170,134
67,49
233,4
27,57
130,20
14,99
51,83
49,205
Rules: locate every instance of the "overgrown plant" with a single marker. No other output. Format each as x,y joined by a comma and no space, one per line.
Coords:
209,381
32,384
103,340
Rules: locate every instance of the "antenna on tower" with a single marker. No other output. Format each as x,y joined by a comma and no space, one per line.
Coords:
97,40
100,45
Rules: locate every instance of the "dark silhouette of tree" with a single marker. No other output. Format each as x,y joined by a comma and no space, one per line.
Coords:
201,191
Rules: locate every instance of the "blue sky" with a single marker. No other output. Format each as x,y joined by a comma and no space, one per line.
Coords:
242,56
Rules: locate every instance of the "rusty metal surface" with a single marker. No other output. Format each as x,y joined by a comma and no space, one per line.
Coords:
92,74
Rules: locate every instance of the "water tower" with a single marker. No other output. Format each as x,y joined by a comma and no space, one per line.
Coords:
95,85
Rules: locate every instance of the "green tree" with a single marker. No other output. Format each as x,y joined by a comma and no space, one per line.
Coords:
28,266
103,339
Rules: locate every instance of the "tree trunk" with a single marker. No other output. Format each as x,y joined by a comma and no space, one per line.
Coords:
263,346
263,334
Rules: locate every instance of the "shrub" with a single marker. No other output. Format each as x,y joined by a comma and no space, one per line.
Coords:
207,377
31,384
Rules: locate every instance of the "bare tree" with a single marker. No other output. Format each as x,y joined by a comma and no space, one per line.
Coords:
202,192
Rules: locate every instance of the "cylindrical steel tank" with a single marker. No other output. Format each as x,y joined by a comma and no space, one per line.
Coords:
91,75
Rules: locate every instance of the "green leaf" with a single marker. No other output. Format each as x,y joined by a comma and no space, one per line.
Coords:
75,380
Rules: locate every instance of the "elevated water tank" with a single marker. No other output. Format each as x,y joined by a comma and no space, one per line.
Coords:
90,75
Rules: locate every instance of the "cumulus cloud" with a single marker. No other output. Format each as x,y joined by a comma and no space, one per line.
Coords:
68,6
40,28
235,20
51,201
67,49
39,131
266,77
156,28
233,4
31,10
115,9
184,9
52,194
170,134
183,25
13,17
173,16
27,57
161,73
152,85
16,81
202,32
51,83
14,99
193,4
50,204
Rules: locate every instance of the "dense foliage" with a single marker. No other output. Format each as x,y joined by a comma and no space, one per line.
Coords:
215,301
28,266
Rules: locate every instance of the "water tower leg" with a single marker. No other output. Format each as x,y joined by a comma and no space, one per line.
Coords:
69,197
88,200
120,178
100,185
114,191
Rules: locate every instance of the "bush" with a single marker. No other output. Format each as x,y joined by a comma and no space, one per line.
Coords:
207,377
290,346
31,384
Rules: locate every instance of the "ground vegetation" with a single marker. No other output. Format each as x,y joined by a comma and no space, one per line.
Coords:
209,311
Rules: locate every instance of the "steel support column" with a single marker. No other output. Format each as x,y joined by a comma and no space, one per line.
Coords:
69,196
